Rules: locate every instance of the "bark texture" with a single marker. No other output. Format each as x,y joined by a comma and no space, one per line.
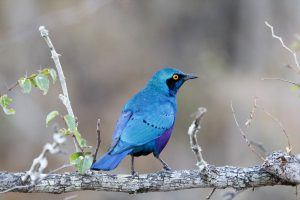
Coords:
279,168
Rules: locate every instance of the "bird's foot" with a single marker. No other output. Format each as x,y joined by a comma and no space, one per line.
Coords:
134,174
167,168
202,165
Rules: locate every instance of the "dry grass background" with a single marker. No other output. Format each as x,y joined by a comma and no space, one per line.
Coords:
111,48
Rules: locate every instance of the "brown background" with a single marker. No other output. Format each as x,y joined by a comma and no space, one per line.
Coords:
111,48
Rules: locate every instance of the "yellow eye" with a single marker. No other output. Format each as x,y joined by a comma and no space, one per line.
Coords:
175,77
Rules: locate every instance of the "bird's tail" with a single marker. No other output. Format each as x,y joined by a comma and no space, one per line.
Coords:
109,161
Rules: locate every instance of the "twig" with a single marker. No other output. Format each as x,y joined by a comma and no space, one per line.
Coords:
76,143
276,120
283,80
211,193
51,172
9,89
285,47
98,141
13,86
55,56
244,135
192,132
14,188
40,163
252,113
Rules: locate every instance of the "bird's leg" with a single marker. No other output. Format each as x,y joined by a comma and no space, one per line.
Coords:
166,166
133,173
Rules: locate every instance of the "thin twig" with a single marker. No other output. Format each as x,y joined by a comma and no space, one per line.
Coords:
15,187
55,56
9,89
51,172
76,143
276,120
211,193
294,54
192,132
13,86
244,135
40,163
252,113
98,141
283,80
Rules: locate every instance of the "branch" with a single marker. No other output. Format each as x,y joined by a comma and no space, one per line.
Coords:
192,132
98,141
244,134
294,54
279,168
281,79
55,56
40,163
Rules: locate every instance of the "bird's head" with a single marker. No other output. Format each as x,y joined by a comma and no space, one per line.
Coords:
169,80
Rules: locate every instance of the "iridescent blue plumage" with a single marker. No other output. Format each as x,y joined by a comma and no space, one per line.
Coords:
146,122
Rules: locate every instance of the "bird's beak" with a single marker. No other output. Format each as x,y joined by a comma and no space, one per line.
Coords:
189,76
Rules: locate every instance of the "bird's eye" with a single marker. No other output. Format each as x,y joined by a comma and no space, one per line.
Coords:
175,77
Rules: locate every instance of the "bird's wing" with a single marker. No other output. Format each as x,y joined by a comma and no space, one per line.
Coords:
145,127
121,124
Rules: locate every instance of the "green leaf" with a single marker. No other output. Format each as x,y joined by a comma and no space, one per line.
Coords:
25,84
83,143
5,101
72,127
87,163
9,111
81,161
74,157
32,79
44,71
294,87
71,123
42,83
64,131
53,74
51,116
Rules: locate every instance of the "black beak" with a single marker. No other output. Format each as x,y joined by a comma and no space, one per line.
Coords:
189,76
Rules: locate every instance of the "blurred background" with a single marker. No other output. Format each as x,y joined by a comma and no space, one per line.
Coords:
110,48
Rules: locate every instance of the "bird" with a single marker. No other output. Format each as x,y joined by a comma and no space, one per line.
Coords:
146,121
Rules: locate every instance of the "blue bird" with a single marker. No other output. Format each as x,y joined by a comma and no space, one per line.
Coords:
146,121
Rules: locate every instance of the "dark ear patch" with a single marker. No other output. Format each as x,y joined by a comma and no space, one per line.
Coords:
171,83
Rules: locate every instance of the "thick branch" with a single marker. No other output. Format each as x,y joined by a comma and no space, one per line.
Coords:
210,177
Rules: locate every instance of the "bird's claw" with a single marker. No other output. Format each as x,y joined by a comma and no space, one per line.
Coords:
202,165
167,168
134,174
